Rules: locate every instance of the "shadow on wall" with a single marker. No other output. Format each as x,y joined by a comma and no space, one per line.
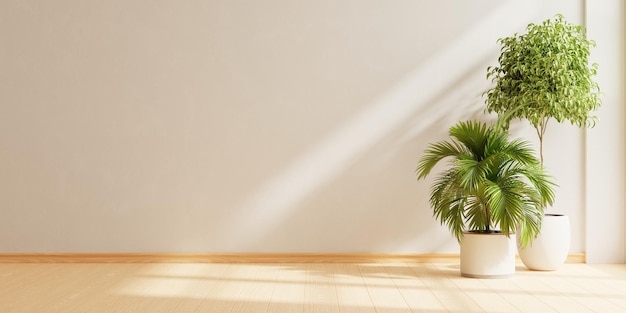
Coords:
355,191
236,126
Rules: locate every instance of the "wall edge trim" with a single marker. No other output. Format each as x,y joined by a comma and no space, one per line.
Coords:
238,258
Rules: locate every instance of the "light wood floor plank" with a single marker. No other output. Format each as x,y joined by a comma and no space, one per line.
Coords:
438,278
288,295
320,295
615,280
229,290
151,288
352,293
488,299
203,281
604,292
522,300
18,292
97,291
241,288
212,295
540,287
383,292
415,292
303,287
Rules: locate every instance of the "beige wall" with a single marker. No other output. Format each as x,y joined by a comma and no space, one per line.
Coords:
244,126
605,154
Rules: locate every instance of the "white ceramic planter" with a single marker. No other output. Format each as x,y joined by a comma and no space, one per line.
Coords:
550,249
487,255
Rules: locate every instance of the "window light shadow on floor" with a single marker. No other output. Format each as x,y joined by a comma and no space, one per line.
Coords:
304,287
389,287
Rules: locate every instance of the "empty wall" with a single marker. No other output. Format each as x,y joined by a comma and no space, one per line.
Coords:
245,126
605,170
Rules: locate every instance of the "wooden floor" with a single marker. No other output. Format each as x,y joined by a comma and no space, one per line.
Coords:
304,287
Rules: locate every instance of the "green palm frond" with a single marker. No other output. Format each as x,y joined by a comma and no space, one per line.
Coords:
448,201
542,183
477,215
472,135
529,225
435,153
471,172
491,181
520,151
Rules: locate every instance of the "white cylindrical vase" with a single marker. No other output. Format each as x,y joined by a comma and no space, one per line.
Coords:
487,255
549,250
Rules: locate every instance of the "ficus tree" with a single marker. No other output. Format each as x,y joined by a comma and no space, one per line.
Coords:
545,74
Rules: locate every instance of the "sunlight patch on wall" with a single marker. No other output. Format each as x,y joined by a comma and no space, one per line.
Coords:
272,202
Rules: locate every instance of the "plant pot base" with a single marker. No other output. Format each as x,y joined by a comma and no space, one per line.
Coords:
487,255
487,276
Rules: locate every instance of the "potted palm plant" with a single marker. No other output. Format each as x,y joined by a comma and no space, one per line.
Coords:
492,187
545,75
